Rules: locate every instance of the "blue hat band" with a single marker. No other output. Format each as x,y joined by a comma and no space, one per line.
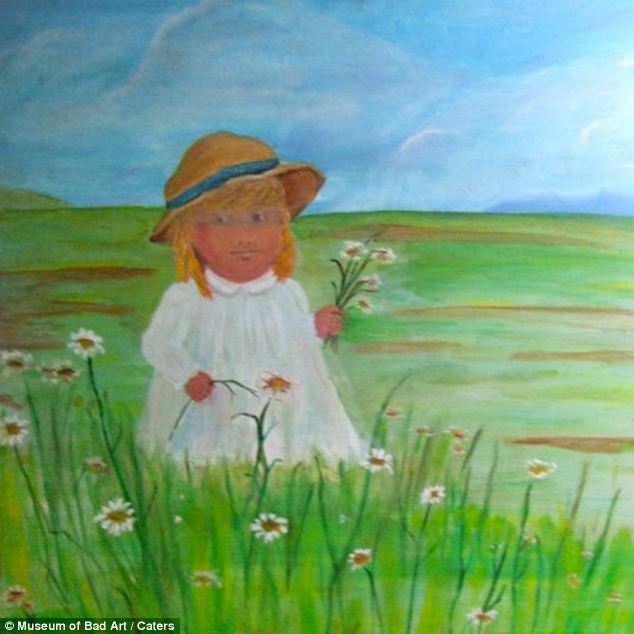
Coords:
220,178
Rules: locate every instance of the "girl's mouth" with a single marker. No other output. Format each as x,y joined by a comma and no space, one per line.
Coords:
243,254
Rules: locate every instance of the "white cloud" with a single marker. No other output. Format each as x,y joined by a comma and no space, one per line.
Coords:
589,130
420,137
566,129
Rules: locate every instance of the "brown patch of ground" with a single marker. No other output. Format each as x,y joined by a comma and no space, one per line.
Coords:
23,316
28,334
400,347
489,311
405,233
78,273
56,308
582,443
604,356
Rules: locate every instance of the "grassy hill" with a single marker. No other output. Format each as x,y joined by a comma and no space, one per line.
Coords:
13,198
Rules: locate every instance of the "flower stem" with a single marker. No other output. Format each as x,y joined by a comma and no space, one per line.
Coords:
519,546
412,590
375,599
104,430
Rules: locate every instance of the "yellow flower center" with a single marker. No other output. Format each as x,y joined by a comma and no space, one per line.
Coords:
66,373
377,461
483,618
271,526
118,516
15,594
360,559
278,384
202,578
539,469
85,343
16,364
12,429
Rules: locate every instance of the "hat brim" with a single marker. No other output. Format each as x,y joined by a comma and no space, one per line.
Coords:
301,183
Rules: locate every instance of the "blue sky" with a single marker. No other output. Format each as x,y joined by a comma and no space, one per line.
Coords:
451,105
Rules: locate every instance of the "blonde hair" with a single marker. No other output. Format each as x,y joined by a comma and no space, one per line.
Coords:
231,197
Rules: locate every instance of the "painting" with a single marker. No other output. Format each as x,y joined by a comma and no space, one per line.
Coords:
317,316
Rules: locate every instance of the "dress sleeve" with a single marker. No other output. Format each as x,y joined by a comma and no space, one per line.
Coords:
301,302
164,343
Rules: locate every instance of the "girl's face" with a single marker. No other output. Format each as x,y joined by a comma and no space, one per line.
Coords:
239,245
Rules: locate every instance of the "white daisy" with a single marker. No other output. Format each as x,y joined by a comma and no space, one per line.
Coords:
202,578
48,374
86,343
456,433
587,554
371,282
615,598
393,412
353,250
14,595
177,519
116,517
275,385
360,558
13,431
63,371
66,371
478,616
95,464
424,431
269,527
378,460
539,469
363,305
15,361
432,494
383,255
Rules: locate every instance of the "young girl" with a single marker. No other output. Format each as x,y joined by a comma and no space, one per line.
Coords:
235,314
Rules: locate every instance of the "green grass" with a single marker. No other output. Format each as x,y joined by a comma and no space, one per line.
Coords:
477,294
468,555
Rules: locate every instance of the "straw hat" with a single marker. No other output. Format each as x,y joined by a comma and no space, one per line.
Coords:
222,159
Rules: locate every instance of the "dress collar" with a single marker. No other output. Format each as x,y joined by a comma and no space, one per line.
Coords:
253,287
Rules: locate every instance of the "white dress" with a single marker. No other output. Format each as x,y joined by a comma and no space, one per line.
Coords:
244,331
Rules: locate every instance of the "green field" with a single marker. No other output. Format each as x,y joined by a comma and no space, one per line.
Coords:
518,325
521,324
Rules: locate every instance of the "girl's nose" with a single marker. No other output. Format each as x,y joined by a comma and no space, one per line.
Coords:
245,239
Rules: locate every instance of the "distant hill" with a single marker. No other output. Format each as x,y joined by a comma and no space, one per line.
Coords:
13,198
604,202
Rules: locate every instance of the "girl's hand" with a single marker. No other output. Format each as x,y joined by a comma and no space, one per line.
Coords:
328,321
199,387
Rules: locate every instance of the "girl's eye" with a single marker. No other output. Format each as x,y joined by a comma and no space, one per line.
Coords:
257,217
218,219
